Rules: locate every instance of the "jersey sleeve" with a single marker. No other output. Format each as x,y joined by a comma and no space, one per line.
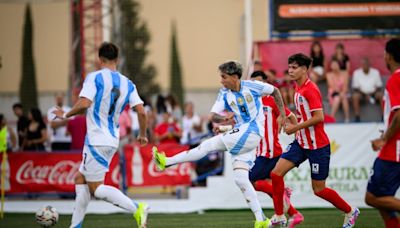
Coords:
260,88
134,98
89,87
219,105
394,92
313,97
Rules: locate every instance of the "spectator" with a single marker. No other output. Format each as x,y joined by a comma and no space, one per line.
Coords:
161,108
342,58
287,90
59,138
151,120
36,134
367,84
22,123
76,128
271,77
338,82
173,107
192,126
9,132
317,65
125,126
167,131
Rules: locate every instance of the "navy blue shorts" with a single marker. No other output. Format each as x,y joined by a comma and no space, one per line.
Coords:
262,168
385,178
318,158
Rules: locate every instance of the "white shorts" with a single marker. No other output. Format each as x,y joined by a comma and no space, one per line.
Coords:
95,162
243,161
241,140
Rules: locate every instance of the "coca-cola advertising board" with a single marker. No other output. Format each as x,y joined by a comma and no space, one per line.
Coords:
55,171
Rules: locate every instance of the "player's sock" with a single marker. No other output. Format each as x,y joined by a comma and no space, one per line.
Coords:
263,186
278,187
82,200
116,197
209,145
392,222
331,196
241,177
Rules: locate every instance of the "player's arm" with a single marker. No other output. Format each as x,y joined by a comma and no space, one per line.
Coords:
292,118
317,117
142,118
276,94
217,118
80,107
393,128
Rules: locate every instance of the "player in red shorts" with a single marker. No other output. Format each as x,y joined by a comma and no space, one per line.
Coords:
311,143
269,151
385,178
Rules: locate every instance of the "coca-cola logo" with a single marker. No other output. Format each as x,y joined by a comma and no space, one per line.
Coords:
62,172
182,169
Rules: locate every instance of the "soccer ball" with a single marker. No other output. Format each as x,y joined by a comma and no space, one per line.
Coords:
47,216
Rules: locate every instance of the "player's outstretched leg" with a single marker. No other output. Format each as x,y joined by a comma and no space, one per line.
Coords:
262,224
82,200
140,215
159,159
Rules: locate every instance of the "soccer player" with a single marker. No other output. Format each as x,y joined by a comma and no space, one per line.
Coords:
311,143
385,178
242,101
104,95
269,151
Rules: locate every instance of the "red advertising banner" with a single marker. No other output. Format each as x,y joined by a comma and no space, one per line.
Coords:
54,172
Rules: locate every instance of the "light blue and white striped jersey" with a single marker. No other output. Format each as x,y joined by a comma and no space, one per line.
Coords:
246,104
110,92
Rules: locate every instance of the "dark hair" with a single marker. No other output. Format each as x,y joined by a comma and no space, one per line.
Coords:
301,59
1,118
393,48
160,104
339,45
259,73
312,53
231,68
37,115
108,51
17,105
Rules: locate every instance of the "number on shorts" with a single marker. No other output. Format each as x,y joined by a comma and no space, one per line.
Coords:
84,158
234,131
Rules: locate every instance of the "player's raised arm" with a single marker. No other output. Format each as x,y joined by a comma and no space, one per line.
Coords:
279,103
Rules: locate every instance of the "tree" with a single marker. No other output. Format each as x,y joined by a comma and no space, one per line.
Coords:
176,87
27,86
132,36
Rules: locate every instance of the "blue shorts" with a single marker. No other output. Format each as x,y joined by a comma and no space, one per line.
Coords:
385,178
318,158
262,168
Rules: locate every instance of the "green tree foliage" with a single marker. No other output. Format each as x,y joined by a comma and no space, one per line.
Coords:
132,36
176,87
27,87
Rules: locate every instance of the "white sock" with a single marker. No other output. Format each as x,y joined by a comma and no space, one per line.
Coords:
82,200
209,145
116,197
241,178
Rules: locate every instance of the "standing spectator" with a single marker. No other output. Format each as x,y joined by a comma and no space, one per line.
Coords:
36,134
161,108
59,138
22,123
125,126
317,65
9,132
338,83
76,128
385,178
173,107
367,84
192,126
341,57
167,131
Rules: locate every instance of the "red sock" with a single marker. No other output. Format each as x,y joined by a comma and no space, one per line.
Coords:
331,196
263,186
278,187
392,223
292,211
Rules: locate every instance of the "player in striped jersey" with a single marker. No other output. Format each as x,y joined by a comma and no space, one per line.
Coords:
385,178
269,151
104,95
242,100
311,143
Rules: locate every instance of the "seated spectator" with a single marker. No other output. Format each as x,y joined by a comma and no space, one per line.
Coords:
366,84
36,134
168,130
342,58
22,123
317,72
76,128
8,133
59,138
192,126
338,82
286,87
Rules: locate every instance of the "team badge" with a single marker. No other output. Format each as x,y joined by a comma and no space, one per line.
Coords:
240,100
232,104
300,100
249,98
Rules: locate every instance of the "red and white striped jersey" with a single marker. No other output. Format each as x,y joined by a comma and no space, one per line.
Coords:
269,144
307,99
391,103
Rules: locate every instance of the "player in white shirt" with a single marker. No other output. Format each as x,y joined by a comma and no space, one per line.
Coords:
242,101
57,128
104,95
